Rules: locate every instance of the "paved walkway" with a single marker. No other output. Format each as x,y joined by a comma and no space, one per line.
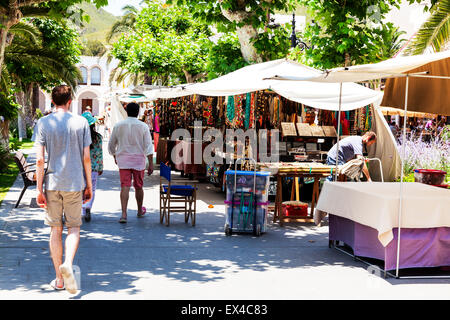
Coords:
146,260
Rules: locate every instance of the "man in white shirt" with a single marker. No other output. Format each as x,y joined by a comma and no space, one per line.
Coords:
130,144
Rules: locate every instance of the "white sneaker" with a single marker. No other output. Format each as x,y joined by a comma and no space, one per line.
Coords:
69,279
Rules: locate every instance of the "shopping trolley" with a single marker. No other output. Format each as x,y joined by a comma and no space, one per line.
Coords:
247,200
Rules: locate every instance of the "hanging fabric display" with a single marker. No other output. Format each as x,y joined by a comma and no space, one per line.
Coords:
247,111
230,111
368,123
239,113
252,110
276,112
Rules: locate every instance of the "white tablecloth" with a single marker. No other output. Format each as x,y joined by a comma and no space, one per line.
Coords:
376,204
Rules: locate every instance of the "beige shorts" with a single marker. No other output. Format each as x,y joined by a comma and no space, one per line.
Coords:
69,203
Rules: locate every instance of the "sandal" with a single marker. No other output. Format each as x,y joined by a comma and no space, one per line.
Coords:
144,210
53,285
69,278
123,220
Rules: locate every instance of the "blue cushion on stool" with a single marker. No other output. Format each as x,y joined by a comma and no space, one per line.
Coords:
179,190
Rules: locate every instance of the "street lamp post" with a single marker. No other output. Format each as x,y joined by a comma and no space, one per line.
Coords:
294,41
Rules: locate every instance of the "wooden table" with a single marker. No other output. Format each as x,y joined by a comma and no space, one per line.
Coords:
295,170
278,212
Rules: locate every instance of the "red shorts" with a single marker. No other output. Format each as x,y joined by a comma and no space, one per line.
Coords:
127,174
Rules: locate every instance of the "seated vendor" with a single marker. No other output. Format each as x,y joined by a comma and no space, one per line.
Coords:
310,118
350,148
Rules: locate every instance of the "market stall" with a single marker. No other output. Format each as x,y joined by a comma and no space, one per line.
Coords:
245,100
396,68
365,216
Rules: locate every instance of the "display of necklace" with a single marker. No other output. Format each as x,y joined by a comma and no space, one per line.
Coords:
230,110
239,113
248,99
220,119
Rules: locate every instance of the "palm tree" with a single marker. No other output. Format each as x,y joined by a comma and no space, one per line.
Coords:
434,32
125,24
394,43
27,52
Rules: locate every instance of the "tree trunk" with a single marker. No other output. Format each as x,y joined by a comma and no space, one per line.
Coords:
148,80
245,34
3,36
35,99
21,124
189,78
347,61
9,16
30,113
4,134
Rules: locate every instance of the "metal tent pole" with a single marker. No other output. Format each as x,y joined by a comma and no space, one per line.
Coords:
400,209
338,131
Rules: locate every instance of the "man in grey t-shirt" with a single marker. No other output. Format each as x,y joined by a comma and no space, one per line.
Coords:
350,148
66,138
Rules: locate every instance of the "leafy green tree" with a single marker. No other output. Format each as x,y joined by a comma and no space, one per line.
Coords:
247,18
273,43
348,32
345,32
9,110
225,56
165,42
93,48
392,43
43,53
435,32
125,24
13,11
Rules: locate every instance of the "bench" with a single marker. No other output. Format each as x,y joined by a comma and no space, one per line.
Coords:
28,174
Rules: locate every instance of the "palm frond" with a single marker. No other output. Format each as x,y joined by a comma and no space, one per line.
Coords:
127,9
5,79
434,32
28,31
119,75
123,25
45,59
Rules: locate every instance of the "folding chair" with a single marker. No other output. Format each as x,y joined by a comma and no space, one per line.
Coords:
170,193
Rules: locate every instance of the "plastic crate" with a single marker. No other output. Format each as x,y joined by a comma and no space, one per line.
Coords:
294,209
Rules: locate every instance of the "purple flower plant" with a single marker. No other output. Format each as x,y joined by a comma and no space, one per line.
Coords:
419,154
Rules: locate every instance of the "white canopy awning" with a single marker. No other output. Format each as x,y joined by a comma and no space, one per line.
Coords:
168,92
386,69
252,78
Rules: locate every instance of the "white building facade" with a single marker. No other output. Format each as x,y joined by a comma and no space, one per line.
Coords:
93,90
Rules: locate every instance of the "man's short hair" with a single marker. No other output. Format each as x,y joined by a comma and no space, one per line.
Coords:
61,95
133,109
371,135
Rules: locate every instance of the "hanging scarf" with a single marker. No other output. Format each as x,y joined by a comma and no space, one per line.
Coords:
230,110
247,110
367,124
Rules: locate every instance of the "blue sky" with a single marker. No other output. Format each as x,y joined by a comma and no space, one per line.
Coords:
115,6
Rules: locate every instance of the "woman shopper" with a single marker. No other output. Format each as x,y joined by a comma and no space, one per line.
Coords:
96,152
